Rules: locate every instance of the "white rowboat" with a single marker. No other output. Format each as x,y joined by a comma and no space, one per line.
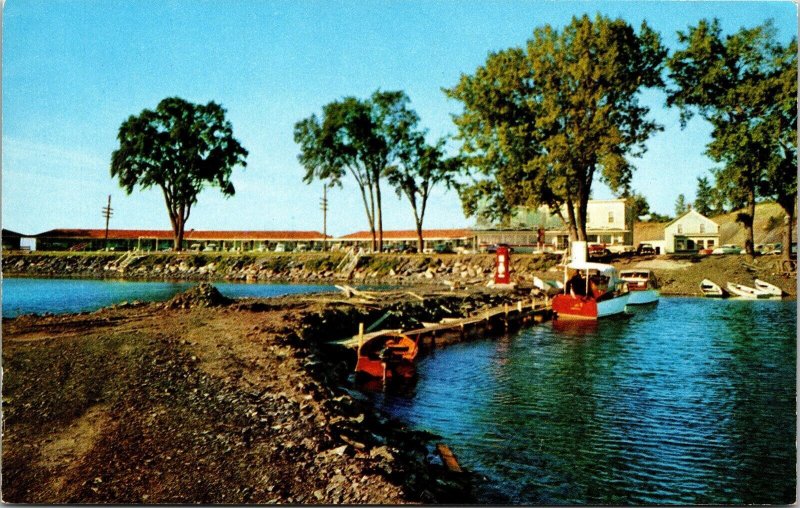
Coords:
743,291
766,287
711,289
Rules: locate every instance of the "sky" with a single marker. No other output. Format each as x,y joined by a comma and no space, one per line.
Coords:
74,70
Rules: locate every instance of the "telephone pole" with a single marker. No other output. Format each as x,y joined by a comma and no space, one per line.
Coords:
107,212
323,204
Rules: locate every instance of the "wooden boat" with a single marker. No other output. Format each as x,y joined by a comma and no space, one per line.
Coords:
642,285
548,287
711,289
387,355
593,291
743,291
768,288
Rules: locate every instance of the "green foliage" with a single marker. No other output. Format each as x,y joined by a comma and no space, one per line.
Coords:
680,205
357,137
639,204
745,86
420,167
540,122
656,217
181,148
704,198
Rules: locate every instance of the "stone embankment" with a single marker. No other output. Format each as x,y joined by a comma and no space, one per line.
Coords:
269,267
678,275
205,400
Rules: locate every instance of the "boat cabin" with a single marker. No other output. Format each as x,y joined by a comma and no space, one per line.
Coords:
639,280
595,280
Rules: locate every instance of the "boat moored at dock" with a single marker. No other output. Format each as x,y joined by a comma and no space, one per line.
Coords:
387,355
593,291
642,285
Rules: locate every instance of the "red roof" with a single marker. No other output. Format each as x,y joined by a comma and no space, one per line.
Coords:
410,234
134,234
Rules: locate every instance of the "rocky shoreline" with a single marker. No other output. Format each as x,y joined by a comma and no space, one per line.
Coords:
678,275
206,400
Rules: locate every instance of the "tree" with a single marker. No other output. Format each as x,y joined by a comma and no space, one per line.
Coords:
540,123
421,167
739,85
181,148
704,198
639,204
680,205
357,137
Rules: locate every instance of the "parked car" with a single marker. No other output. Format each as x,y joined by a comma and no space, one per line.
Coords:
210,247
443,248
280,248
645,249
493,248
727,249
598,251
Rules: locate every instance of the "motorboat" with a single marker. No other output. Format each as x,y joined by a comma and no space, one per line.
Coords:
766,287
592,291
642,285
711,289
743,291
548,287
387,355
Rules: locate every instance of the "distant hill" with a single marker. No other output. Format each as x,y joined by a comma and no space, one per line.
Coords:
767,227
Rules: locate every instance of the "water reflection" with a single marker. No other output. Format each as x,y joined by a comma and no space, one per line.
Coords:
690,402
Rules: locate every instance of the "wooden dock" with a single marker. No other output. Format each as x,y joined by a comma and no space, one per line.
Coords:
506,316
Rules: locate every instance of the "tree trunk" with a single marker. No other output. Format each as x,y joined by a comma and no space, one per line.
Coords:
380,214
749,244
786,238
573,230
420,240
178,230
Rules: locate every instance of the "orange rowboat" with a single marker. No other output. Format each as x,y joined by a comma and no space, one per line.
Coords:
387,355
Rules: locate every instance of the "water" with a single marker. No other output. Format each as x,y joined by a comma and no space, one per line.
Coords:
691,401
25,296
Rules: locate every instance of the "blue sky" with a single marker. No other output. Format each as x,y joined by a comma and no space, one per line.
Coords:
74,70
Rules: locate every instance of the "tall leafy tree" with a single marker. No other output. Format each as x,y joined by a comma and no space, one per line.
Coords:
181,148
421,167
704,198
540,123
361,138
680,205
639,204
738,83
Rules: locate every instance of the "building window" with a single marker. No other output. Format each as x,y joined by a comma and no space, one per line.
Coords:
610,217
680,229
702,228
709,243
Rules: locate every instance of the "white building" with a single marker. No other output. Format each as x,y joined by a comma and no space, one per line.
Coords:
691,231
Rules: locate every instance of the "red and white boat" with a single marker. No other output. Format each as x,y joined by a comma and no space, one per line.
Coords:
592,291
642,285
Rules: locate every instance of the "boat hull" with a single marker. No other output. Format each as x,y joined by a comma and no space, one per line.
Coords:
742,291
387,356
643,297
711,289
583,308
770,289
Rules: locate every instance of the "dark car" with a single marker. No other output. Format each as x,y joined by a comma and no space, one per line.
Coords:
443,248
493,248
645,249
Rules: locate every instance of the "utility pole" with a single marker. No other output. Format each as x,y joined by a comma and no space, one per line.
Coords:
107,213
324,206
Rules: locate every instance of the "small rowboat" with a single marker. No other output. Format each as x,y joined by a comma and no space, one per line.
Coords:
743,291
768,288
548,287
387,355
712,290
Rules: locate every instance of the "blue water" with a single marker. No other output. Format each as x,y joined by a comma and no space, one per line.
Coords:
691,401
57,296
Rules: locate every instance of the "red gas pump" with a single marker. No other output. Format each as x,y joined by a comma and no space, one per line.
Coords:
502,271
